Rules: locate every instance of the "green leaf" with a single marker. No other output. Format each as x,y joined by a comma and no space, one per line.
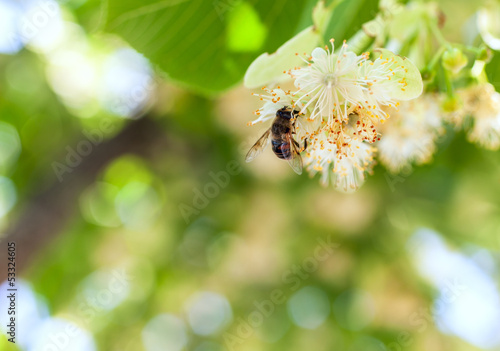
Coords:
245,31
321,16
359,42
269,67
197,42
493,71
348,18
406,23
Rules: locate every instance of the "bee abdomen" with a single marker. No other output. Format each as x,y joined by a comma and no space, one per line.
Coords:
281,149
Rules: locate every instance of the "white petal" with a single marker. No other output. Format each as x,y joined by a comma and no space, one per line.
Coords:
406,82
319,54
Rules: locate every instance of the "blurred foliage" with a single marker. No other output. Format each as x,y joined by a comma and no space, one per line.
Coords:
493,71
202,44
263,223
209,45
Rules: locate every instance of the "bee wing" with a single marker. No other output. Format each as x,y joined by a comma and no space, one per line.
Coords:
295,160
258,147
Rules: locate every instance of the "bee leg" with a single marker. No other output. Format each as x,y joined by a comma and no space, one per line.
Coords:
299,149
305,144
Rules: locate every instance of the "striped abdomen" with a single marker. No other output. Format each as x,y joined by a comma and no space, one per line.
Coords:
281,148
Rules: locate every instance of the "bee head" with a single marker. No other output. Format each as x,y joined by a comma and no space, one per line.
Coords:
285,113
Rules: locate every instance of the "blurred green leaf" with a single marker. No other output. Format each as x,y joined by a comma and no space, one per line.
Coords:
245,31
270,67
493,71
197,43
348,18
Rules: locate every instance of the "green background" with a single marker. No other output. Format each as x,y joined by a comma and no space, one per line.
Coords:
122,206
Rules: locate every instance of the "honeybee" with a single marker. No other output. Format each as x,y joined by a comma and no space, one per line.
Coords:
280,135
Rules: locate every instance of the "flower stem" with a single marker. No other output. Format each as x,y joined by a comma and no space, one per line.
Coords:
435,58
471,49
449,85
437,33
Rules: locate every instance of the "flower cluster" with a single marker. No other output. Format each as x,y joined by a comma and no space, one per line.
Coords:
411,133
352,108
482,103
343,99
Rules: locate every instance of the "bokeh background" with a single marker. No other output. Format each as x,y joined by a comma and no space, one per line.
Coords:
104,154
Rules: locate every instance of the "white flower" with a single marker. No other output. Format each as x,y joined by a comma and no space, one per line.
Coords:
486,131
274,99
341,98
350,170
483,102
364,125
400,148
307,128
343,165
321,156
382,81
330,82
336,84
409,136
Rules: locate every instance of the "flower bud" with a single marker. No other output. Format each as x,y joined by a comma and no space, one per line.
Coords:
428,75
452,104
454,60
485,54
